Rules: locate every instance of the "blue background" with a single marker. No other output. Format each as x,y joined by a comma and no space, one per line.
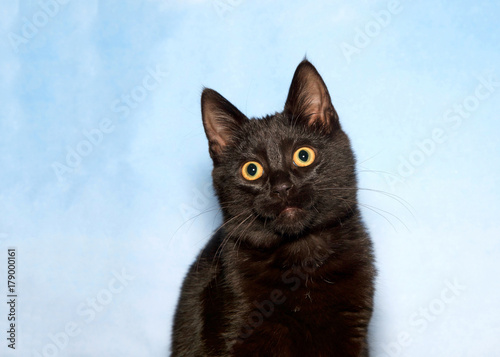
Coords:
105,169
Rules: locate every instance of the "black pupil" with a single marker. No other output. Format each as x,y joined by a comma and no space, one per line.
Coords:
303,155
252,169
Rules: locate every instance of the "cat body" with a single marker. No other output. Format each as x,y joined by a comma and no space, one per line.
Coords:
290,271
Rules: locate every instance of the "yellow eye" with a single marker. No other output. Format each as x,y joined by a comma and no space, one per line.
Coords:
252,170
304,157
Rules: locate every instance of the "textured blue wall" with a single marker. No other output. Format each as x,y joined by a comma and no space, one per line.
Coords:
105,174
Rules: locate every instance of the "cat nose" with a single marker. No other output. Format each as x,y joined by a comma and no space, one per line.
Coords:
282,189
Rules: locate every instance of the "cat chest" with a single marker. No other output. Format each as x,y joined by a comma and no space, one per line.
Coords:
308,315
296,296
306,320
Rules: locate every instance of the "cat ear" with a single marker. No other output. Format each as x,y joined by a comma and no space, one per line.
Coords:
221,121
309,101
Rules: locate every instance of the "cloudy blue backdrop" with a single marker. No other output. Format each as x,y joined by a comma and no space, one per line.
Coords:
105,174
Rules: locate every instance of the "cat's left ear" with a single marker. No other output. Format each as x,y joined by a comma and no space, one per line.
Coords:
221,121
308,100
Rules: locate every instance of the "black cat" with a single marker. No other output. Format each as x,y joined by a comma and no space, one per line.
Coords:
290,271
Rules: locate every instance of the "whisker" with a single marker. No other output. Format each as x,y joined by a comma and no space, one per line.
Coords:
382,172
208,210
395,197
229,235
216,207
374,209
407,205
214,233
238,240
371,157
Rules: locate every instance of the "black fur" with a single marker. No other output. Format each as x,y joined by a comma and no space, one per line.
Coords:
290,272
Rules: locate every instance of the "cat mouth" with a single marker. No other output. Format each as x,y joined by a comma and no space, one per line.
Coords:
290,215
291,220
290,211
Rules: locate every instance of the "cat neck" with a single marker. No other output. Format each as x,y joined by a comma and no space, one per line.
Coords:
309,250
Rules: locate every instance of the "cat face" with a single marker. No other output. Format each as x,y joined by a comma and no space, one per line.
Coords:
286,174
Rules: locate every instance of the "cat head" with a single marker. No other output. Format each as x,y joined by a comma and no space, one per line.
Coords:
284,175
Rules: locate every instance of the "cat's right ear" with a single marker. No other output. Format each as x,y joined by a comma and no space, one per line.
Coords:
221,121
